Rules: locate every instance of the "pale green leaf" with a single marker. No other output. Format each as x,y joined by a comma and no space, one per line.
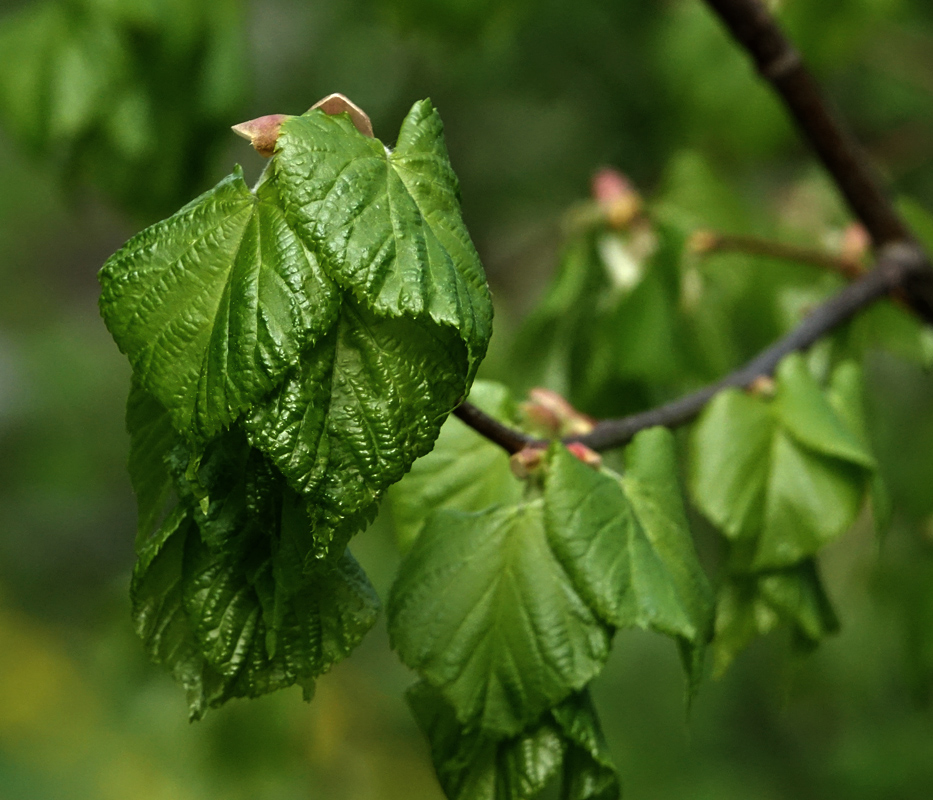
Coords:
625,541
806,414
464,471
485,612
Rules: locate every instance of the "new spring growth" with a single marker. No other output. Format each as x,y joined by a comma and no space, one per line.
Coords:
263,132
616,197
550,414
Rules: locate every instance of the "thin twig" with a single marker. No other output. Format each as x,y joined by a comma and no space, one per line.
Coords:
712,242
896,266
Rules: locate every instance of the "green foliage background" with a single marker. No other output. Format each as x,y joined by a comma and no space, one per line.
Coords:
535,97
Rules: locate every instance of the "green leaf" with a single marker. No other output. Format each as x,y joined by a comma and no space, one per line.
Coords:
387,223
464,471
626,545
485,612
368,401
808,415
472,765
209,617
152,439
214,305
788,475
754,605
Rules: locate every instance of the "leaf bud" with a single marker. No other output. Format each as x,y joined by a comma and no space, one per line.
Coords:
763,386
553,415
589,457
526,461
616,196
262,132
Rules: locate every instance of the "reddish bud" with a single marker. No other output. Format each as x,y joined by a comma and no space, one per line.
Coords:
616,196
570,422
589,457
526,461
340,104
262,132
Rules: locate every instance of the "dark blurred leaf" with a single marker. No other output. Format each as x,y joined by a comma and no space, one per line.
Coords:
472,765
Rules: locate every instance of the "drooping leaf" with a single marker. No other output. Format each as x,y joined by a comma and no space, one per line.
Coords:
213,619
788,474
214,305
152,439
369,400
625,543
486,613
755,604
472,765
464,471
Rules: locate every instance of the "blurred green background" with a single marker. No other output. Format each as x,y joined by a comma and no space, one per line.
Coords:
115,112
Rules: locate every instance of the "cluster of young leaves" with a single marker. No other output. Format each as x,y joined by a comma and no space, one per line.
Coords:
130,96
295,348
782,476
781,472
511,590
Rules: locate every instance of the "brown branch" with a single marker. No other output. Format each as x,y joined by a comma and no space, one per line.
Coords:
897,265
704,242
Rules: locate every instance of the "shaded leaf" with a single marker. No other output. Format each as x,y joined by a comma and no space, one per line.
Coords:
472,765
754,605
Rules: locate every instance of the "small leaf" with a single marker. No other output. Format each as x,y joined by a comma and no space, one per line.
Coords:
807,414
788,475
626,545
474,766
754,605
486,613
464,471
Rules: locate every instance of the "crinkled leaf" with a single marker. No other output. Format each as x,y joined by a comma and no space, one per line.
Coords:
471,765
788,475
485,612
208,617
367,402
626,544
214,305
754,605
464,471
387,223
152,439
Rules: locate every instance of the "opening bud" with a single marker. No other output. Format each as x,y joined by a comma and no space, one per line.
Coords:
526,461
589,457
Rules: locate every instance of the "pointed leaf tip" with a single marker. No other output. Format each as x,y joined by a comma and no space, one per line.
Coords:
339,104
262,132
